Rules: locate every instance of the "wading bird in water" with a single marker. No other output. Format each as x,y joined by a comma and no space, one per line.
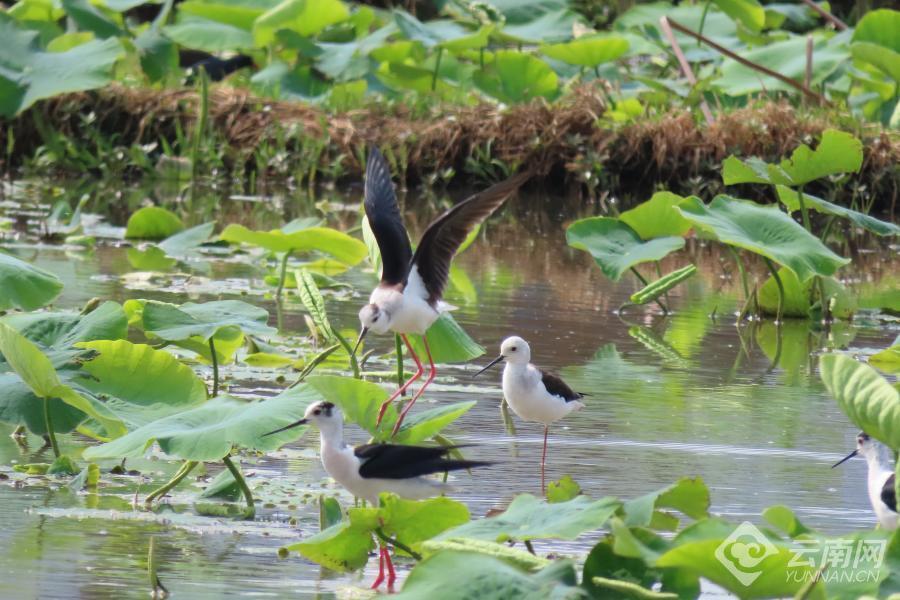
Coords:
881,478
409,298
531,393
368,470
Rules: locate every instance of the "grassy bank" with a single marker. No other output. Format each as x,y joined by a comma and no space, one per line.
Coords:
573,142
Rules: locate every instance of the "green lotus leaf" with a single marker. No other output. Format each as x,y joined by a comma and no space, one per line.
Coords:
25,286
587,51
515,77
764,230
209,431
341,246
791,199
174,323
528,518
152,223
615,246
866,397
657,217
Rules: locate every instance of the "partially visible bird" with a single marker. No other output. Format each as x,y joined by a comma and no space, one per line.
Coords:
533,394
409,298
368,470
881,478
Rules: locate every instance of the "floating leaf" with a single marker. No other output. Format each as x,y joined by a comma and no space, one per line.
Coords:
615,246
342,547
517,77
152,223
888,360
211,430
341,246
791,199
152,259
706,550
866,397
25,286
513,556
176,323
563,490
143,384
657,217
797,296
224,485
486,578
764,230
689,496
528,518
184,243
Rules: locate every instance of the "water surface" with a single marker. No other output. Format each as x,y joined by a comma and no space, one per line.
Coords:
691,394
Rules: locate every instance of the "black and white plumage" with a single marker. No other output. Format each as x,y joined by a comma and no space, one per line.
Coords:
534,394
368,470
880,479
409,297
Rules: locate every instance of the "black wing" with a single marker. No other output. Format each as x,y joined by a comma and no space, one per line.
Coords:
445,235
556,386
889,494
389,461
384,219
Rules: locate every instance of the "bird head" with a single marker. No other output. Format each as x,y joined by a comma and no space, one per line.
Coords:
867,447
374,318
513,350
325,415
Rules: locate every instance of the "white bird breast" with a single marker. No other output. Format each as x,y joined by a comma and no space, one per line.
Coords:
529,399
410,311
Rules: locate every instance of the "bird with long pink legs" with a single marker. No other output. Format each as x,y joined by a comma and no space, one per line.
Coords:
369,470
409,297
532,393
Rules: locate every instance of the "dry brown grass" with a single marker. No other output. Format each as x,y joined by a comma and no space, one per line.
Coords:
558,141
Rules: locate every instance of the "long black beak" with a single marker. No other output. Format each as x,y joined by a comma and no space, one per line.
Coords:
489,365
845,459
359,340
286,427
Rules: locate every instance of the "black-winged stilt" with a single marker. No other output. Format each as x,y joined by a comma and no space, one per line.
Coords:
368,470
409,297
881,478
533,394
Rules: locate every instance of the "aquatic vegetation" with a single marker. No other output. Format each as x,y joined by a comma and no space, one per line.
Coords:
24,286
805,286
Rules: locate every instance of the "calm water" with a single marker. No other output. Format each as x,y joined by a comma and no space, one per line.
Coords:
686,395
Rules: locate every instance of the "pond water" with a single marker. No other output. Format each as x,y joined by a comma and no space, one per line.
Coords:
690,394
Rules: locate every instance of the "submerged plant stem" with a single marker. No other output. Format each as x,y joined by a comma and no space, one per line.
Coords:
644,282
242,483
741,270
183,472
774,270
48,423
215,367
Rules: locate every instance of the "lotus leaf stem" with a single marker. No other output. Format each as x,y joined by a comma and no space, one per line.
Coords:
803,211
215,367
202,116
644,282
242,483
48,423
396,543
703,20
437,67
741,270
164,489
283,275
354,364
774,270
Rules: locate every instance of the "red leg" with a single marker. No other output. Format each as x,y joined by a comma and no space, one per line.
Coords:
544,458
380,578
402,389
392,577
431,375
